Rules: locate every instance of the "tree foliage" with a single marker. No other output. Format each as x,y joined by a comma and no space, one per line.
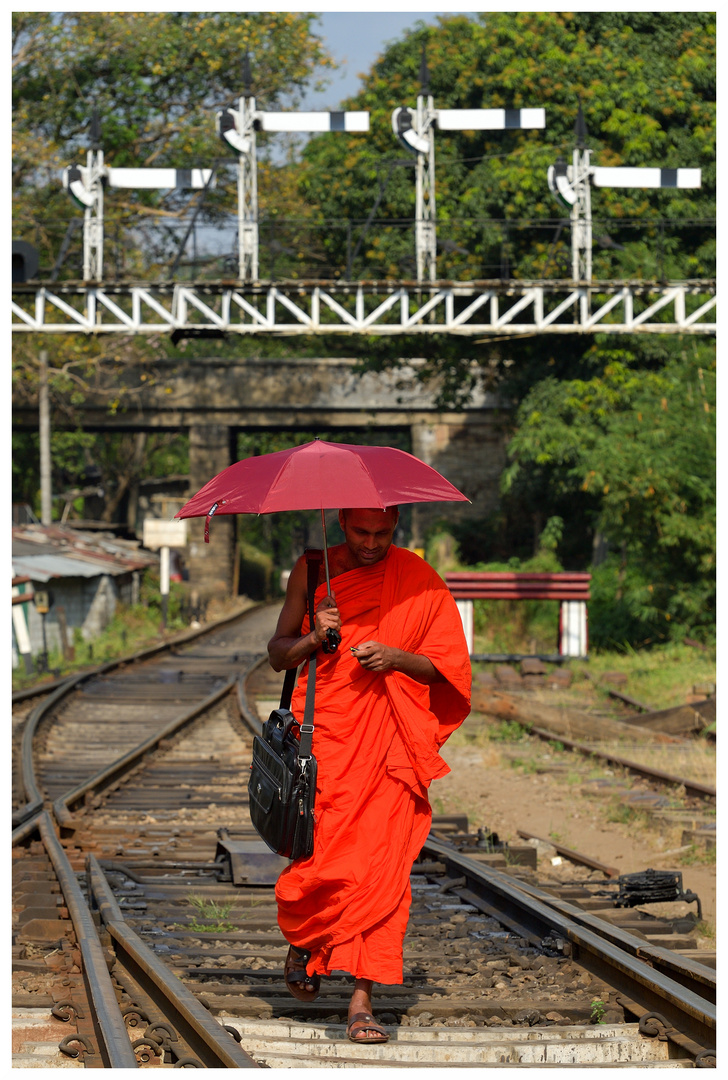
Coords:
646,82
633,452
156,80
614,441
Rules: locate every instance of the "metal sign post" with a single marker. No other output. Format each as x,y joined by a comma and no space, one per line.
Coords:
571,186
416,130
237,128
162,535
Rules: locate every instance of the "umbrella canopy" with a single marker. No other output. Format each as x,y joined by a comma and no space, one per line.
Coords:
321,476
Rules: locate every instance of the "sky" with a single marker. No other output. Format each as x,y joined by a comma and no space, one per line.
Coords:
355,39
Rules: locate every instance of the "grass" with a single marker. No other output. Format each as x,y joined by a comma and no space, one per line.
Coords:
212,917
598,1009
507,731
621,813
698,855
526,765
660,677
133,628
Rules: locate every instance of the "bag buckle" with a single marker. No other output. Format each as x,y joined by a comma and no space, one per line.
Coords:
306,729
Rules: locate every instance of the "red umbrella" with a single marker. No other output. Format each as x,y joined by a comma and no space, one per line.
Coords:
320,476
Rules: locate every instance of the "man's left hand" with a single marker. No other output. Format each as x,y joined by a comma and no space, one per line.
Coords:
374,656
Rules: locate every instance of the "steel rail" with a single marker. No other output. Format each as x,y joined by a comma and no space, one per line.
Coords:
690,973
538,917
214,1046
33,795
248,714
571,854
62,805
37,689
115,1047
692,787
142,654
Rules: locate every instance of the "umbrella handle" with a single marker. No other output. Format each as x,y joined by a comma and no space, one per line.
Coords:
326,554
332,642
333,639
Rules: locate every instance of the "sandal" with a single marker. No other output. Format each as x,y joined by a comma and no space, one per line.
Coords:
296,978
363,1021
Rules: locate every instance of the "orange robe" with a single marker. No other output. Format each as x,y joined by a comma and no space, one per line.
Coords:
376,741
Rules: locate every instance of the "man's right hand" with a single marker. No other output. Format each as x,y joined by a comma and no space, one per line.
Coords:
326,618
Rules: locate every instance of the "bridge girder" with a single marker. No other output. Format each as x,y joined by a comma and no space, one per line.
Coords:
489,309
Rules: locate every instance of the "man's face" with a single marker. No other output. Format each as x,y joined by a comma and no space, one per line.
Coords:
368,533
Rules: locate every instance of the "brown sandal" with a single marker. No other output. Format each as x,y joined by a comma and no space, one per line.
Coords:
363,1021
296,978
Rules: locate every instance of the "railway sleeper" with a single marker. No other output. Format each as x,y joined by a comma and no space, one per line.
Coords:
290,1044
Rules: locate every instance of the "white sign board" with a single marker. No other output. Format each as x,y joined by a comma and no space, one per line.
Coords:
158,533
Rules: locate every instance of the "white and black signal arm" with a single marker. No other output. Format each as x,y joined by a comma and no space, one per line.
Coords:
561,179
404,123
238,128
415,128
237,132
80,181
571,185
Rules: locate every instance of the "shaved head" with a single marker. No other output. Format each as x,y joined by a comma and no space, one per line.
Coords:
368,532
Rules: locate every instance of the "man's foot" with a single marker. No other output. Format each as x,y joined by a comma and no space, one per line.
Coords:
363,1028
303,987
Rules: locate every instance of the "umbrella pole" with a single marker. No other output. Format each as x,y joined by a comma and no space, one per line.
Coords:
326,554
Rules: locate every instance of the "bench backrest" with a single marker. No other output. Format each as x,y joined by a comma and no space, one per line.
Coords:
513,585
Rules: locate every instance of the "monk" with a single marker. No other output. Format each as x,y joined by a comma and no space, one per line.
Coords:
386,700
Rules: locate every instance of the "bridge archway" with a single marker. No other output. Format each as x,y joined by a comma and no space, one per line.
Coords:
214,400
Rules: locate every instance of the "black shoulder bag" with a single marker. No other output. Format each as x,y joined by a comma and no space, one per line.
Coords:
282,784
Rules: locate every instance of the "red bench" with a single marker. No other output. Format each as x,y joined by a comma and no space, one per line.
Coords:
571,589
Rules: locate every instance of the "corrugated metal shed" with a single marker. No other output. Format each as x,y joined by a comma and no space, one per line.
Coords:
45,552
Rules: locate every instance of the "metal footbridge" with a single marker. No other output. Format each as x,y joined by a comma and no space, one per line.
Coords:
496,308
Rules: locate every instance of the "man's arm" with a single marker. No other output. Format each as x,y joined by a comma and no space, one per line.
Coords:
288,647
374,656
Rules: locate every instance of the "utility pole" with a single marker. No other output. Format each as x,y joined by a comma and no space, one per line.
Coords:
44,434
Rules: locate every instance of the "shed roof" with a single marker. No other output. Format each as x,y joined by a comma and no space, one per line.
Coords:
43,552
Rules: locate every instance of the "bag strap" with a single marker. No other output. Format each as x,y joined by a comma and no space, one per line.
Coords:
314,558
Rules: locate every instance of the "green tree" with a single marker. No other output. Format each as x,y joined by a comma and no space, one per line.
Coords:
646,82
156,80
634,451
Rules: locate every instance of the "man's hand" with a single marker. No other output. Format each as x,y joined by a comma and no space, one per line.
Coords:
374,656
326,617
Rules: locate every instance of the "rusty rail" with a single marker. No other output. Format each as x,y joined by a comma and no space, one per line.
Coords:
621,959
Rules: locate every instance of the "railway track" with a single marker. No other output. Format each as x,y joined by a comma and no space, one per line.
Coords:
140,772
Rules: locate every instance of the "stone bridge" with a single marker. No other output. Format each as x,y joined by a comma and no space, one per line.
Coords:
214,399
